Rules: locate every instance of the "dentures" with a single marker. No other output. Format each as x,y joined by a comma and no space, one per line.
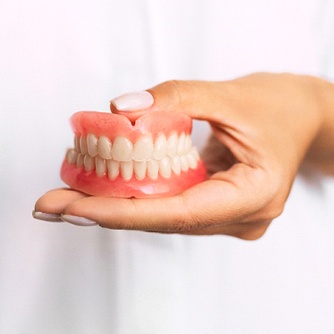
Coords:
113,157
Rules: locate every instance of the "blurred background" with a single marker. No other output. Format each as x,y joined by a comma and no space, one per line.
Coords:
59,57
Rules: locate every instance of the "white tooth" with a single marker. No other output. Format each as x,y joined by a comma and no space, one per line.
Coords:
89,163
176,165
71,156
160,147
184,163
143,149
122,149
192,163
165,167
80,160
77,143
153,169
83,145
188,144
140,169
181,144
104,147
127,170
113,169
172,145
92,145
101,166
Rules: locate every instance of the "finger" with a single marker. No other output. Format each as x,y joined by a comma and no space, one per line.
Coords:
245,231
211,203
198,99
55,201
224,105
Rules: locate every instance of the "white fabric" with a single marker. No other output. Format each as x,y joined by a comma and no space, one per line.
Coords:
58,57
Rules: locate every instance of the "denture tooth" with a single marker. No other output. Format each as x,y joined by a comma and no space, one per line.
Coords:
143,149
77,143
92,145
184,163
140,169
160,147
80,160
71,156
127,170
153,169
188,144
176,165
172,145
101,166
104,147
89,163
83,145
113,169
181,144
122,149
165,167
192,163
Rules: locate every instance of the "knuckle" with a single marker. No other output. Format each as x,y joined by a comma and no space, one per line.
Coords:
254,233
274,200
273,210
276,211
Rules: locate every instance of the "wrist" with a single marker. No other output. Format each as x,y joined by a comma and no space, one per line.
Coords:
321,150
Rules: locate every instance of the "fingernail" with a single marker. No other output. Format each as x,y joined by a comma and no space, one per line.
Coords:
133,101
79,221
49,217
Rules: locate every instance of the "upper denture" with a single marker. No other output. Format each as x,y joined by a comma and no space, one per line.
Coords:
143,149
113,125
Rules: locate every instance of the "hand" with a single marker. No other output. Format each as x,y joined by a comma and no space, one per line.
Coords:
263,125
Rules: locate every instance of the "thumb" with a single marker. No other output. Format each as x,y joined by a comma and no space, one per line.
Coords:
197,99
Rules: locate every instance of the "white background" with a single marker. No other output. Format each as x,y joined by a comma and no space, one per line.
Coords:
58,57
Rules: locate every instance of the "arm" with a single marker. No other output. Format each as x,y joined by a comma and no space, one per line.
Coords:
264,126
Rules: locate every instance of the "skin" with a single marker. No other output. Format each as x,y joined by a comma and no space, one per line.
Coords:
264,127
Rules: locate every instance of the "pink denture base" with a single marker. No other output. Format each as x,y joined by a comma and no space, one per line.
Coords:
90,183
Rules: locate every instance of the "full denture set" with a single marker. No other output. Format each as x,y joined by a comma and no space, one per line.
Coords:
150,158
